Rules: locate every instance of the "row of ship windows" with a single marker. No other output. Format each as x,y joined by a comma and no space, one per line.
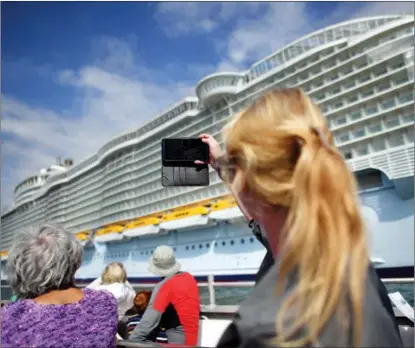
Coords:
123,211
157,122
377,125
95,210
143,146
19,215
378,145
359,70
363,79
344,98
80,185
392,140
135,189
153,143
144,158
387,122
141,151
349,116
186,248
353,99
348,85
220,82
153,195
319,80
319,74
35,180
276,60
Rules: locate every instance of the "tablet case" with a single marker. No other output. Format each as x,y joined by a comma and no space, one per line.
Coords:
185,176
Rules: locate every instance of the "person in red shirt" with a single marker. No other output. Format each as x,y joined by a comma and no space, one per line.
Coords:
174,303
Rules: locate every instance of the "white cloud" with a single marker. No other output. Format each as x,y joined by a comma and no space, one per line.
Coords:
275,24
189,18
114,95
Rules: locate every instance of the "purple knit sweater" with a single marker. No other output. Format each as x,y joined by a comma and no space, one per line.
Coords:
91,322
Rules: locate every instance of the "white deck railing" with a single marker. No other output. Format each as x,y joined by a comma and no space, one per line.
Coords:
211,284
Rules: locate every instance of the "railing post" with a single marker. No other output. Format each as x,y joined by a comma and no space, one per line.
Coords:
211,286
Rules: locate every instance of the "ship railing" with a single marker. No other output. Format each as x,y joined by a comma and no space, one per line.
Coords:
211,284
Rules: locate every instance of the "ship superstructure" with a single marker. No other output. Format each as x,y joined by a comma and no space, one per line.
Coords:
361,72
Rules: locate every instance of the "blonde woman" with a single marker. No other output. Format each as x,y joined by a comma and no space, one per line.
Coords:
281,164
114,280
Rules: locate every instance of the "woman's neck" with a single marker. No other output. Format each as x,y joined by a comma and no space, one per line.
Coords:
60,296
273,222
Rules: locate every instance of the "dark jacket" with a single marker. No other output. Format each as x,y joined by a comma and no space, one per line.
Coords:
255,319
268,262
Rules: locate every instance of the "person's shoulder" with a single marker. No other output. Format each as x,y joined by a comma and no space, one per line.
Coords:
14,310
103,298
187,276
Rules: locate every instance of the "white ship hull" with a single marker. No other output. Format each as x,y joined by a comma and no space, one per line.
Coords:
231,253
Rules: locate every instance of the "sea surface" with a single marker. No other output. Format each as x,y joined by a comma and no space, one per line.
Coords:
235,295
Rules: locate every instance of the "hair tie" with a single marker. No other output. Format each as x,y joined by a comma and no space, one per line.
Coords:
322,137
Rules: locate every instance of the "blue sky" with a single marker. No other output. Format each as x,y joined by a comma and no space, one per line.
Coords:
75,74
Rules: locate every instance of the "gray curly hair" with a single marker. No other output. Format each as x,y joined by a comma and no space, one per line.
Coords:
43,259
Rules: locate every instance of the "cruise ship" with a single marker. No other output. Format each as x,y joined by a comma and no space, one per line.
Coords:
361,73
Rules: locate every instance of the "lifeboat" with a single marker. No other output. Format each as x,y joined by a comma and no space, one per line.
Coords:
3,255
109,234
225,209
82,237
142,227
186,218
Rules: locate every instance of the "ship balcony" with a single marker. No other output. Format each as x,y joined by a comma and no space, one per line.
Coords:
215,87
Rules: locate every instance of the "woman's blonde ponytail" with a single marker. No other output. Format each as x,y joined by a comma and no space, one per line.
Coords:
289,160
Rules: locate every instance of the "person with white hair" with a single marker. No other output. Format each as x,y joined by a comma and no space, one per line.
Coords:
174,302
114,280
52,311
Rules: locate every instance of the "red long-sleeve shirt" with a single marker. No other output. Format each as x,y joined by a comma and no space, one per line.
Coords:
175,305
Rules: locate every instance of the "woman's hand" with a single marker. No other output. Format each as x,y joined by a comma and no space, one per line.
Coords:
214,150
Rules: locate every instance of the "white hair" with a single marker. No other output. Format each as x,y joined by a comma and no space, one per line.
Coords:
43,259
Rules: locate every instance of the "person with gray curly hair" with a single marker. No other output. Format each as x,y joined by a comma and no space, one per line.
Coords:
51,310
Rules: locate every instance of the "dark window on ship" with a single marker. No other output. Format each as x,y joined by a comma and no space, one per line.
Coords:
251,239
242,241
369,179
348,155
232,242
200,246
174,249
187,247
193,247
216,244
207,245
223,243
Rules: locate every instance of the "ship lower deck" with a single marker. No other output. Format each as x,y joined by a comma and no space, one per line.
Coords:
231,253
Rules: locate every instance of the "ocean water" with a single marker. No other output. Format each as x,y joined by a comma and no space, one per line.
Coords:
235,295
